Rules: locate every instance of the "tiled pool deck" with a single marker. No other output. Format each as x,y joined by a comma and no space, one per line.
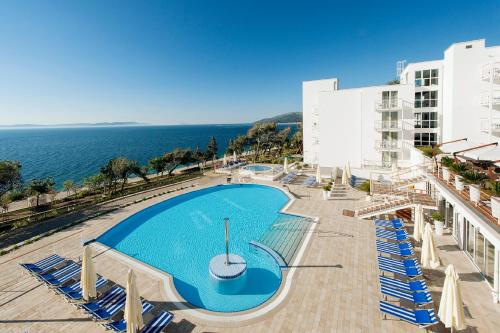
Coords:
334,289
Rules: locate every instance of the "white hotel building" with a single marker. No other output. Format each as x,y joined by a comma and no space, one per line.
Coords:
436,101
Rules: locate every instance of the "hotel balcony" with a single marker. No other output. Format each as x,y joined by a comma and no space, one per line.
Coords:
494,126
392,105
387,125
485,98
388,145
487,70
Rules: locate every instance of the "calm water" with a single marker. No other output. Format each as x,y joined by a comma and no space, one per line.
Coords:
181,235
75,153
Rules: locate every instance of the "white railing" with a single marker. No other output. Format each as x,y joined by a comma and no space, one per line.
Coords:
380,165
388,144
485,98
392,104
486,71
387,125
494,126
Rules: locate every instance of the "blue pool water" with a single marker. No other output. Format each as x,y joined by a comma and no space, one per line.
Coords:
182,234
258,168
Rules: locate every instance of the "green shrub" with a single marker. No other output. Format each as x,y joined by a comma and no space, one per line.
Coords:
327,187
365,186
437,216
447,161
493,187
473,177
459,167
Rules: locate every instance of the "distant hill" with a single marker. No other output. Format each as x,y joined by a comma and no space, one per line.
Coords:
292,117
123,123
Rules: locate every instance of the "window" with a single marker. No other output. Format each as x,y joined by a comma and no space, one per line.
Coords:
389,99
425,139
490,261
426,77
426,99
425,119
468,46
470,229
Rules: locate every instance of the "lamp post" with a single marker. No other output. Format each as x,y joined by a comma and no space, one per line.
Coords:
226,225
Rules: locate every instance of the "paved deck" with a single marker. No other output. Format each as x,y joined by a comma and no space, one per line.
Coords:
335,287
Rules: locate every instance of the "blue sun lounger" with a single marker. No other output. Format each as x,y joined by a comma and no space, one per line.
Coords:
110,296
159,323
311,180
121,325
393,224
419,297
388,234
44,265
409,272
74,292
417,285
70,274
70,268
110,309
392,248
400,245
398,263
421,317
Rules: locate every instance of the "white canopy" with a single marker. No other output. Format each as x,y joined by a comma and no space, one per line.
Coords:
489,153
452,147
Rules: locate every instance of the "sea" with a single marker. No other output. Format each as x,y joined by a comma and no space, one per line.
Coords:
75,153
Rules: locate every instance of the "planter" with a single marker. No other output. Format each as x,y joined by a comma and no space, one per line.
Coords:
329,194
459,183
438,228
325,195
495,207
446,174
474,194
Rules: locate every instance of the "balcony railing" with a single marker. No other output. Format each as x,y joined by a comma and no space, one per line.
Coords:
387,125
494,126
487,70
389,104
388,144
495,100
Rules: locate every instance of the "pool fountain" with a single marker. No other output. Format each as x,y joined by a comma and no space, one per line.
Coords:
228,270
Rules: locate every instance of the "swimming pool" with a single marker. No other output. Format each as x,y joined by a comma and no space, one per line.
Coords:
181,235
258,167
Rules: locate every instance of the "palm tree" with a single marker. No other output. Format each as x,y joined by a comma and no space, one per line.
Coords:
68,186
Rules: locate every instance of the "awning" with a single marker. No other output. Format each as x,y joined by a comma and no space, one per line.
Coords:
488,153
456,146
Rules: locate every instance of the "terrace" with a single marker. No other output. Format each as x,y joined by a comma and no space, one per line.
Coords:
335,285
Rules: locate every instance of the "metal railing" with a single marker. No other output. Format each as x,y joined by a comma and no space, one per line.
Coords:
387,125
392,104
388,144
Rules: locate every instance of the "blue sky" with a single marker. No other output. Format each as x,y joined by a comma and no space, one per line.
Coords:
174,62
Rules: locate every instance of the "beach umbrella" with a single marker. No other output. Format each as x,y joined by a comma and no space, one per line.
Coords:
417,227
429,257
344,176
133,305
318,175
348,167
451,311
285,165
224,160
234,156
88,277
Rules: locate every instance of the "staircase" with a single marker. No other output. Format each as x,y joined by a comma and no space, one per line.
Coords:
397,200
285,236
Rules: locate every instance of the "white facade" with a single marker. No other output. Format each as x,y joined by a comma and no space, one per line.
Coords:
435,101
